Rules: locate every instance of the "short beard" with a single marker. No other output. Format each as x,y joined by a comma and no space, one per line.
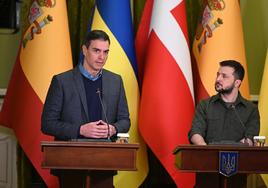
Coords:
226,90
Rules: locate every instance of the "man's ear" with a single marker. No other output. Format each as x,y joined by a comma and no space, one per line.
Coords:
237,83
84,49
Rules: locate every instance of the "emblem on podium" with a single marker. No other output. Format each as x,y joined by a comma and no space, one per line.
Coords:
228,163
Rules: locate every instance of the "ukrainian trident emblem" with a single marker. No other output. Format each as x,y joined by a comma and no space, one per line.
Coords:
228,163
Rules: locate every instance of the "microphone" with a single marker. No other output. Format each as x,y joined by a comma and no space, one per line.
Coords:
238,117
240,121
103,109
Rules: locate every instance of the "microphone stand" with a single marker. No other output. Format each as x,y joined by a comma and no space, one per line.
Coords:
238,117
240,121
105,116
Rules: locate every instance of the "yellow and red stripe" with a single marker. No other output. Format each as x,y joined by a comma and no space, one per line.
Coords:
46,54
224,42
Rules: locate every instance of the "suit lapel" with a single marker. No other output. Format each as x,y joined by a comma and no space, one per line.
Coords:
81,89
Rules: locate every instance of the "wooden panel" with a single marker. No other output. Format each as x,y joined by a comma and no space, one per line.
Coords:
89,155
193,158
4,163
8,159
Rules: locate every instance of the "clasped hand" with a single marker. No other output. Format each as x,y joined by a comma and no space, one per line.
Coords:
247,141
97,129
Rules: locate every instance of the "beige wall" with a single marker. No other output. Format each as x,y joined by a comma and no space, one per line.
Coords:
255,24
8,52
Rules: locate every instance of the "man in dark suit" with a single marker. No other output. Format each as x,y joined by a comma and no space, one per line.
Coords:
73,108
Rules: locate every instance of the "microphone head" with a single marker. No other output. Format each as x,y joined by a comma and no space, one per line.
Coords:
98,91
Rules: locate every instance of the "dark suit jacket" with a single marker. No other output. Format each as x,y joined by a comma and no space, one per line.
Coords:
65,108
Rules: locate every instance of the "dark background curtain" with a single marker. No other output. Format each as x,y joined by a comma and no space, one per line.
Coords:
79,14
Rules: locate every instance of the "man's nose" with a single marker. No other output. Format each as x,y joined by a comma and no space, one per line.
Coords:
101,55
219,77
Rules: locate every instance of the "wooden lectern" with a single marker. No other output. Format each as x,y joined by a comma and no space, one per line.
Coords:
205,159
95,159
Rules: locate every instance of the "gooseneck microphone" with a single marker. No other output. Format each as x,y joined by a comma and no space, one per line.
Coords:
238,117
240,121
102,107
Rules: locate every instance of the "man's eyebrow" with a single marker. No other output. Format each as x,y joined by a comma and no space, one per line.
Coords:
95,48
100,49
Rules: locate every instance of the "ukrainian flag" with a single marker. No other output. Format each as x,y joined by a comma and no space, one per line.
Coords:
114,17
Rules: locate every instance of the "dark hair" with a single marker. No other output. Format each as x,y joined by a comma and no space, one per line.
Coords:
95,35
239,71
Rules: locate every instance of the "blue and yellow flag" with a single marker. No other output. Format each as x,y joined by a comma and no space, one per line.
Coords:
114,17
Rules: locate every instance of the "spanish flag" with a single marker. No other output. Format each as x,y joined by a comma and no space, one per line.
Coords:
44,51
263,107
114,17
219,37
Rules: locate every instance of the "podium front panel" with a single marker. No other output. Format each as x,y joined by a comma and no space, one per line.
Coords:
192,158
89,155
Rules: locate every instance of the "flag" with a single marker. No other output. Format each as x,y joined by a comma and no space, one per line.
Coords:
263,107
142,37
167,99
114,17
44,51
219,37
